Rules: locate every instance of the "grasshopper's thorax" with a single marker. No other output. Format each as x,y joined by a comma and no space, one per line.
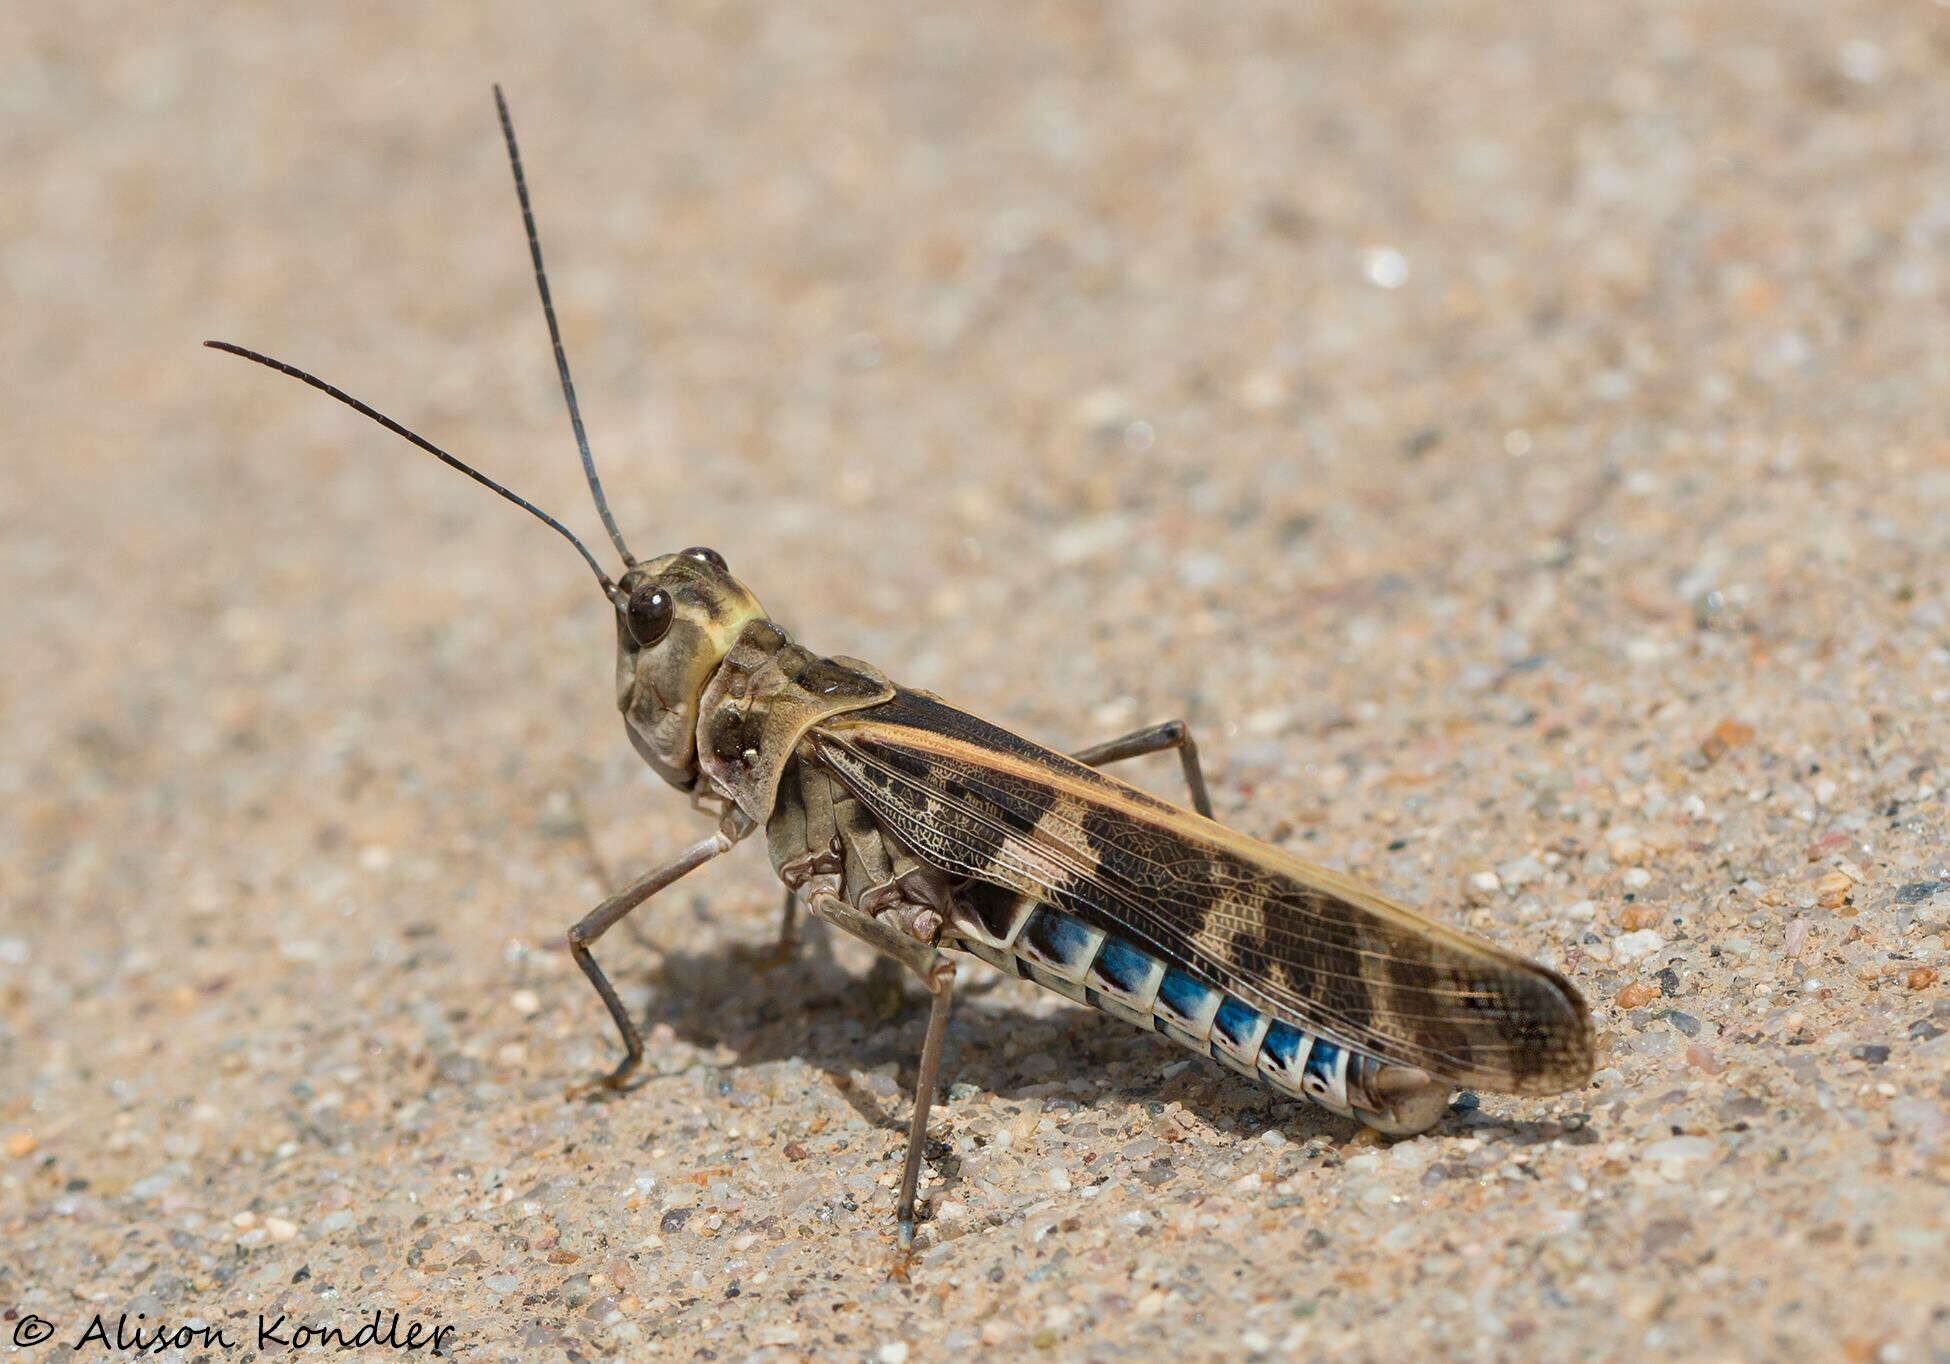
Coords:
676,618
764,697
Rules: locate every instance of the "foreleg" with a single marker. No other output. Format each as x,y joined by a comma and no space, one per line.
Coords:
602,918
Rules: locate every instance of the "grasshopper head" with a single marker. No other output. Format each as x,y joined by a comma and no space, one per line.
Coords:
676,617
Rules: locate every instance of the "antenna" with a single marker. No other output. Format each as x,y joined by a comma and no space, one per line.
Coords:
555,333
609,588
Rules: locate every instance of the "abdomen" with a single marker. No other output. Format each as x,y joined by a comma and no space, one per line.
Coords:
1033,941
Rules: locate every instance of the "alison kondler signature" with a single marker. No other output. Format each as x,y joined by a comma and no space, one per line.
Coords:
381,1330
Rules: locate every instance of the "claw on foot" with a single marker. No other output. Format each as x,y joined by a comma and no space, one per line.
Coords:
904,1257
611,1083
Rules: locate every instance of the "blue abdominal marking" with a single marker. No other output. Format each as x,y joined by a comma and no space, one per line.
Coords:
1121,967
1325,1078
1236,1034
1283,1056
1236,1025
1058,942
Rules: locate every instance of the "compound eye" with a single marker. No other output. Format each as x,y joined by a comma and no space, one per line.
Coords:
649,615
707,556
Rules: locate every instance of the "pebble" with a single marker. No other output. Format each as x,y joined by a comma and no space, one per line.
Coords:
1675,1156
1702,1058
1629,947
1728,734
25,1143
1520,872
1921,978
1683,1022
1635,917
893,1352
1833,889
1831,843
1637,995
525,1002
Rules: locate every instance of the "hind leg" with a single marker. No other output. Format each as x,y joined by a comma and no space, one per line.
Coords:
1155,739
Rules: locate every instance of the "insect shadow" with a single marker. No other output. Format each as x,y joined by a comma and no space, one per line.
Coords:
814,1009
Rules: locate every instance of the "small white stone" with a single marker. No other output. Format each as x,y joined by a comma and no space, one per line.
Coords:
893,1352
1263,390
1520,871
280,1230
1385,267
1629,947
1101,409
525,1002
1675,1156
1861,61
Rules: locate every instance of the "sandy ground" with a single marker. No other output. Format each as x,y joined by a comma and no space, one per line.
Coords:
1518,442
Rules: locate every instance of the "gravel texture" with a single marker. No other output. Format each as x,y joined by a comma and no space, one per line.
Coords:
1517,438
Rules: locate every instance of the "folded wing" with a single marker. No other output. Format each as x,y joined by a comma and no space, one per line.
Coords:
1310,945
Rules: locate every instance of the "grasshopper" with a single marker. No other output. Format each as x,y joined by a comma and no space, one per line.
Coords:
926,831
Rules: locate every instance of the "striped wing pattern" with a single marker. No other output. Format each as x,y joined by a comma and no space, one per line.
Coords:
1310,946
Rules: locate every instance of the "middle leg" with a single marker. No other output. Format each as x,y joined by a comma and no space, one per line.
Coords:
938,973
